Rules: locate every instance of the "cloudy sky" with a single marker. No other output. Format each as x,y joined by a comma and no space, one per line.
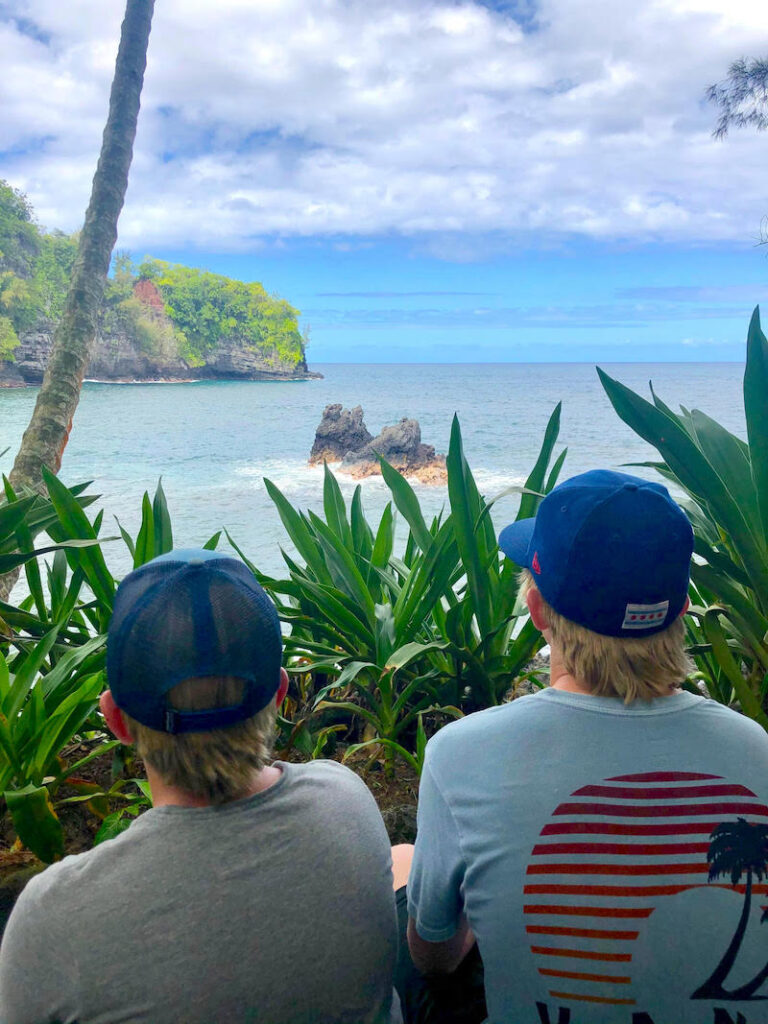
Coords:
437,181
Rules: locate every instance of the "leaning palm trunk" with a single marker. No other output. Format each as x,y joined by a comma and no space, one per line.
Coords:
46,436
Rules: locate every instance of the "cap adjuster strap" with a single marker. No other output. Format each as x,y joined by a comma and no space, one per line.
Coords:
204,720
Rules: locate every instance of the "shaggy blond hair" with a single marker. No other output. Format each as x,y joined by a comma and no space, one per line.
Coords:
634,668
217,765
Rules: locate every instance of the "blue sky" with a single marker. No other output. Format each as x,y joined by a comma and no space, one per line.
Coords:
426,180
383,302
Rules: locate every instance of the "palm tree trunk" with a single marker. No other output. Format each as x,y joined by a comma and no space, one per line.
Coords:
751,987
713,986
46,436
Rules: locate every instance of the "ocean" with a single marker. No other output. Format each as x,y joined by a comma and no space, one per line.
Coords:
214,442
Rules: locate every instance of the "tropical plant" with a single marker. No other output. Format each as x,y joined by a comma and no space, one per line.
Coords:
726,481
362,616
52,672
39,715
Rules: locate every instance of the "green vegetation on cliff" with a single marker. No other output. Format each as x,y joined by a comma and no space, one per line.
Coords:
166,310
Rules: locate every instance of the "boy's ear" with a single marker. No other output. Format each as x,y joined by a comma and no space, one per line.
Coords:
282,688
114,718
535,604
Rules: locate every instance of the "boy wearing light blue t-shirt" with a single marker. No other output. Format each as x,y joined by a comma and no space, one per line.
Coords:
606,839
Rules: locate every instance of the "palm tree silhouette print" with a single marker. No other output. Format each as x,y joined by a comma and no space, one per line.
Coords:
736,847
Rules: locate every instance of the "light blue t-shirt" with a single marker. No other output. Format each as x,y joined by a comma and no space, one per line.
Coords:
578,835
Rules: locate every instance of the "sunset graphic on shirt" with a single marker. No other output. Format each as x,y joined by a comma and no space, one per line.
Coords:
611,852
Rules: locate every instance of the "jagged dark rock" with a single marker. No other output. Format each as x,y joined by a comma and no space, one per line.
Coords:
340,431
342,436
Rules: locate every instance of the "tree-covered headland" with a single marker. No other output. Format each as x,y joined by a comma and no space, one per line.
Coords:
165,310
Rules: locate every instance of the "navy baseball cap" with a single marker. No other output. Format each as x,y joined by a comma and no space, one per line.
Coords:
184,615
609,551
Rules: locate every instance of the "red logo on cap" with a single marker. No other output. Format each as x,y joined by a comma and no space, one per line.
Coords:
535,563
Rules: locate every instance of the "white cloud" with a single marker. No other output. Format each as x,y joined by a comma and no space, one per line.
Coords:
430,119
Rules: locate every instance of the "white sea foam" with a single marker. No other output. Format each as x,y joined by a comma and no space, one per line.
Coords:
297,477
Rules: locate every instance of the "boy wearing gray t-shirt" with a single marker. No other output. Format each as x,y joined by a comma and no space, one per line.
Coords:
251,891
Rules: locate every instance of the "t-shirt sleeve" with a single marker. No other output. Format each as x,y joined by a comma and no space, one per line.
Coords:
35,966
435,883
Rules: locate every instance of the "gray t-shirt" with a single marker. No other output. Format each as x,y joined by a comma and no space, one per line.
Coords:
275,909
575,832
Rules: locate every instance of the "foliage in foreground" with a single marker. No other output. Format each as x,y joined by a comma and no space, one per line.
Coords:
384,647
726,480
52,656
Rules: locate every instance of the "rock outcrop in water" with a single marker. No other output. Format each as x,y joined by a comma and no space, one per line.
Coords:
343,437
340,431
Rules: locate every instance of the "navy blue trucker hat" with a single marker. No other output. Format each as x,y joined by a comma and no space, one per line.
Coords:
187,614
609,551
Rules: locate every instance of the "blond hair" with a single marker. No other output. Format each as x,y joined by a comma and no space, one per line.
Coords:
634,668
217,765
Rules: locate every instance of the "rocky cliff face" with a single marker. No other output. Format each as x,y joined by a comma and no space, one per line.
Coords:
118,359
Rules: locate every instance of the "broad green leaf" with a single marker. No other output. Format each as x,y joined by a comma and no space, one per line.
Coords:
13,766
13,513
407,503
385,538
555,471
347,575
464,514
299,532
409,652
362,535
692,469
756,409
335,508
113,825
162,521
9,562
536,478
128,540
729,457
75,523
384,631
35,822
333,605
345,677
145,540
25,677
748,700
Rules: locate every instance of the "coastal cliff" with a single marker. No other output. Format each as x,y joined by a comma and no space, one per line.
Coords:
139,342
159,321
118,358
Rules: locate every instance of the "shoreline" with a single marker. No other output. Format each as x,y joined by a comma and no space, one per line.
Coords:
178,380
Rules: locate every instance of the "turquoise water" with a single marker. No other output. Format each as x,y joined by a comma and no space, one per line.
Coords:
214,442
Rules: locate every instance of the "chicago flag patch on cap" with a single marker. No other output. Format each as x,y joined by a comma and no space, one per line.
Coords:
644,616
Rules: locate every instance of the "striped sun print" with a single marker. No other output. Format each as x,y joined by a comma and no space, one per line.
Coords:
607,856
